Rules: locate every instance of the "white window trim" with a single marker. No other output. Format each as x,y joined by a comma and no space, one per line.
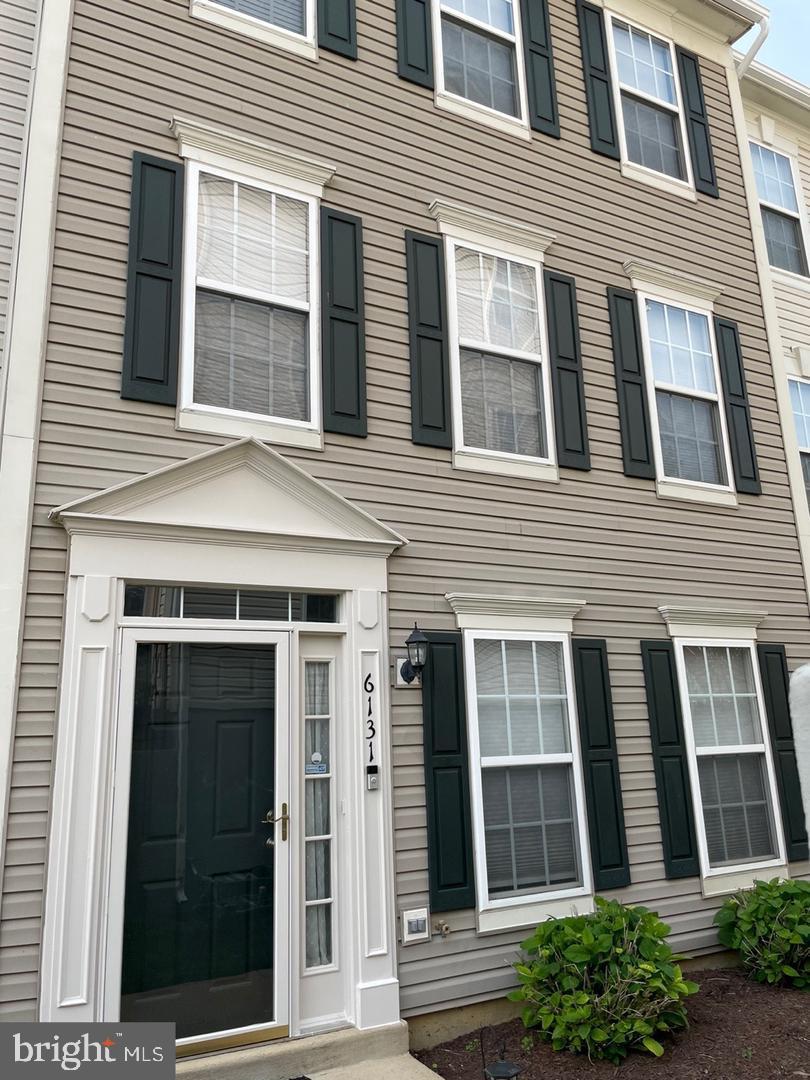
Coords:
789,277
238,22
513,912
632,169
471,110
725,879
806,381
673,487
192,416
460,228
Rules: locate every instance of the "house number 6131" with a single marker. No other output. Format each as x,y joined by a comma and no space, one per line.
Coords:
371,729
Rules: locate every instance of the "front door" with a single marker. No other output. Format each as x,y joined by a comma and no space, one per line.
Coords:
207,854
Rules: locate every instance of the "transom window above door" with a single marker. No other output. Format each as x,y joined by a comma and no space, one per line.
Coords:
781,214
250,344
526,783
479,49
144,601
692,444
649,101
498,352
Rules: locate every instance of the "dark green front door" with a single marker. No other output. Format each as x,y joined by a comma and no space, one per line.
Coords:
200,890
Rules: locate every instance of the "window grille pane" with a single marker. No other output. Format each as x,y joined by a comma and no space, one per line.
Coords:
774,178
251,357
681,347
318,870
690,438
497,301
783,236
800,400
653,137
479,68
288,14
264,605
495,13
319,935
736,809
529,826
521,695
722,696
215,229
152,601
209,603
644,62
502,404
316,688
806,473
316,812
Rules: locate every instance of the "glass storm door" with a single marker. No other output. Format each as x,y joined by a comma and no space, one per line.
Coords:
207,857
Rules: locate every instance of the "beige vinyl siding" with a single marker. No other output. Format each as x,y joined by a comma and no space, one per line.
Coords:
597,535
18,19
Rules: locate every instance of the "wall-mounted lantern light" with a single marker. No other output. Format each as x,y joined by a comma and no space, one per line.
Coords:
418,645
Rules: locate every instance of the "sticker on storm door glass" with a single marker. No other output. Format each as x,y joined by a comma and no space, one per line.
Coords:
45,1051
316,765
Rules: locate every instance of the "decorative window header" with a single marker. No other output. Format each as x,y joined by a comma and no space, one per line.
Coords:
272,164
481,226
649,277
479,611
690,622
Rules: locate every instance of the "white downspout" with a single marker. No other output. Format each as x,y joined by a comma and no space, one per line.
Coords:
746,62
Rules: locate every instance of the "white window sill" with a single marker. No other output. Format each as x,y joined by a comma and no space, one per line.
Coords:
211,12
723,884
526,916
660,181
478,114
505,466
214,423
790,280
671,489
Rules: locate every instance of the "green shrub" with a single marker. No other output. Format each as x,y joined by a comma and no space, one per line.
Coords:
602,984
769,926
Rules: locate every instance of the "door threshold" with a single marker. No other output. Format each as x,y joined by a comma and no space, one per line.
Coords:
212,1045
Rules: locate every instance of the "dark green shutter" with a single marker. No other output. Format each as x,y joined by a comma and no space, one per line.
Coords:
540,83
427,315
337,27
152,327
776,689
598,84
342,323
447,775
570,416
415,42
603,792
628,358
669,755
738,414
697,124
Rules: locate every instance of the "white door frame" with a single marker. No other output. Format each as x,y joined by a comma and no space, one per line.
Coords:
130,639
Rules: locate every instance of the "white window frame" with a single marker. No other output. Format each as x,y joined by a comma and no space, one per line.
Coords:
632,169
804,451
215,419
721,873
481,458
802,280
674,486
472,110
238,22
526,908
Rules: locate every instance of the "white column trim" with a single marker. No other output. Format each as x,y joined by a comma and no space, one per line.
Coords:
26,338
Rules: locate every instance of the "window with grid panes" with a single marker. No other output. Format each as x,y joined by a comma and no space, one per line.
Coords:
319,925
480,52
779,204
800,400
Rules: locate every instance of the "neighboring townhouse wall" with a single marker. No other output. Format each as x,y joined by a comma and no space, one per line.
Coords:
598,535
18,19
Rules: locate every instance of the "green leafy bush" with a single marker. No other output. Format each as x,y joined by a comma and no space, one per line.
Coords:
769,926
602,984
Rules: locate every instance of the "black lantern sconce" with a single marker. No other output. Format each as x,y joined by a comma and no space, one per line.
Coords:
417,644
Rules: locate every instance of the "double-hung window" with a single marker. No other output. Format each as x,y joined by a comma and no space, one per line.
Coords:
732,771
652,131
685,399
781,216
478,44
287,24
498,354
250,339
526,772
800,400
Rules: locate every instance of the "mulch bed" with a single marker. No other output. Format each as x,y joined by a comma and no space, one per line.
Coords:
738,1030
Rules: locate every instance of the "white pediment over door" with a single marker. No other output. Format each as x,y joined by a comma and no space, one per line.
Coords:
245,488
